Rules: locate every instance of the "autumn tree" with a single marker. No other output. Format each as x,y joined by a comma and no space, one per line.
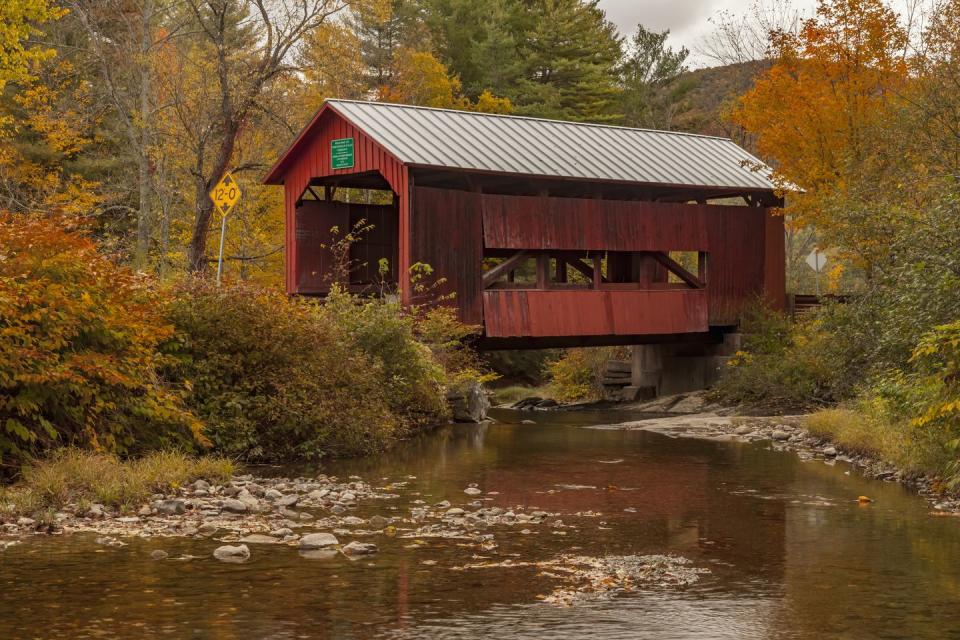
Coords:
248,46
820,112
121,40
18,21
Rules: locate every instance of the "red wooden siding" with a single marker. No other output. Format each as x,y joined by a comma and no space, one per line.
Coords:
446,233
313,263
528,313
314,260
775,260
529,222
312,160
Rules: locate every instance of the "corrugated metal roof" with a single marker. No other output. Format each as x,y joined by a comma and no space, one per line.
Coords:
423,136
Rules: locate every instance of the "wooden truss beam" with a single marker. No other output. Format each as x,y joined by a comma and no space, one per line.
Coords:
677,269
506,266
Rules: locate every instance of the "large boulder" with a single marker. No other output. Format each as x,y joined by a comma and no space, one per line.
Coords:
317,541
469,404
229,553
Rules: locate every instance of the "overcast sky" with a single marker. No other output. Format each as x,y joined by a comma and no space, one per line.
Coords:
687,20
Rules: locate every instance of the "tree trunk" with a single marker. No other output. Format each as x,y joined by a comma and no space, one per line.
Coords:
203,205
141,254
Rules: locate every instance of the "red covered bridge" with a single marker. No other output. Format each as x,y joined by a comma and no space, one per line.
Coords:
549,233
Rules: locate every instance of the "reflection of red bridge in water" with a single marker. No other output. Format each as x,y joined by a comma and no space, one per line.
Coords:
549,233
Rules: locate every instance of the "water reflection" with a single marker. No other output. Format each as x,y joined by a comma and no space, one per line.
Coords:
791,554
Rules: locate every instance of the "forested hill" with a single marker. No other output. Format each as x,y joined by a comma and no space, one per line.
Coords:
706,93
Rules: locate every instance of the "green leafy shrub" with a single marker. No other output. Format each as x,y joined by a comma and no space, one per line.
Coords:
782,368
79,338
278,378
410,378
576,373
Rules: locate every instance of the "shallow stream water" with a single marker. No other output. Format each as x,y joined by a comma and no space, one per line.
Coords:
790,552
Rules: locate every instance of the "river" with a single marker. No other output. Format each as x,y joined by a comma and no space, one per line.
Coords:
786,549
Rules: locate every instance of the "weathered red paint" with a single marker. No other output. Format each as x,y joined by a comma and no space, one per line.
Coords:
530,313
315,221
310,159
446,233
450,229
526,222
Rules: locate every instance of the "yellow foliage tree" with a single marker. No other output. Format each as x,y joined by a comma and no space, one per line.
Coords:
17,23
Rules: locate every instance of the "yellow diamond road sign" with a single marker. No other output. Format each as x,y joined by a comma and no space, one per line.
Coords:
226,194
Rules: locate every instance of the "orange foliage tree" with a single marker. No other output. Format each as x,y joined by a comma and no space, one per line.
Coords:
79,340
821,113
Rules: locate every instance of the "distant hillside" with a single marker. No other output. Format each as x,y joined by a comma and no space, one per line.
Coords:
708,92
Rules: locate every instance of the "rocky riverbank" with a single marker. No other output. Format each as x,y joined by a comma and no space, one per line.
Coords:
787,433
316,516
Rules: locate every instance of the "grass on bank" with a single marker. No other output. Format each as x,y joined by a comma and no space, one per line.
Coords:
517,392
865,429
74,476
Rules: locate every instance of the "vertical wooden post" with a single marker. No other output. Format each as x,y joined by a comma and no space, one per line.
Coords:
597,271
561,271
406,211
702,268
543,271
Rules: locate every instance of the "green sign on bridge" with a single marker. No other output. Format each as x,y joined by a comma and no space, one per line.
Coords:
341,153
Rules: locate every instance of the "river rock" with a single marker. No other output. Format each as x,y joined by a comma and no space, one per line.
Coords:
97,511
289,500
472,491
259,538
208,528
282,532
272,495
337,510
230,553
743,430
359,548
347,496
159,554
172,507
318,494
456,511
780,435
378,522
23,521
318,541
201,485
830,452
527,403
145,510
469,404
232,505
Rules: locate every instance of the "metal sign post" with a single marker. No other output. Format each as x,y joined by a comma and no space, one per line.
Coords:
817,261
225,197
223,234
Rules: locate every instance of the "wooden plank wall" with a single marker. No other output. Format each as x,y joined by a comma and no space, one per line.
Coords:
528,222
314,221
513,313
313,263
446,233
745,244
312,160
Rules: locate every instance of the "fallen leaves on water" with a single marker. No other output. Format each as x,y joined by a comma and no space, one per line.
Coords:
864,500
589,578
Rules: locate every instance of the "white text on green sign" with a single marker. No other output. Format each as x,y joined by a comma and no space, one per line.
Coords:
341,153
